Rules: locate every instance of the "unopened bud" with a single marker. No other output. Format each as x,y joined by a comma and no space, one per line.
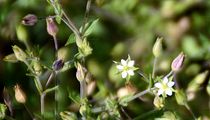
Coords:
19,53
85,49
181,98
29,20
52,28
37,68
58,64
158,102
178,62
208,88
80,74
157,48
10,58
19,94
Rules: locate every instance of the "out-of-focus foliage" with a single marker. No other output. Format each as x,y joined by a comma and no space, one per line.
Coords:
122,27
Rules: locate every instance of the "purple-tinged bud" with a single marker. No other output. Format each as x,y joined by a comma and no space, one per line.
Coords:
178,62
29,20
58,64
80,74
52,28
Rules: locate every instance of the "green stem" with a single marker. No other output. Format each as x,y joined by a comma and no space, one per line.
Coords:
154,68
49,79
83,89
142,117
29,112
140,94
191,112
42,104
86,15
55,42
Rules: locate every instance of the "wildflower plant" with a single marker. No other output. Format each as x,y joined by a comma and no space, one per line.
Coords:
84,105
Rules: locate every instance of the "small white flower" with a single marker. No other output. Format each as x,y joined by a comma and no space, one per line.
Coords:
126,67
165,87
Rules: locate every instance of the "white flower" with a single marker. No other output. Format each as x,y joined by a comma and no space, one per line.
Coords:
165,87
126,67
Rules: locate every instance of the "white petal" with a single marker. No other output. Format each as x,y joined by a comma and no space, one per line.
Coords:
160,91
158,85
168,92
165,80
170,84
120,67
124,74
123,62
130,72
131,63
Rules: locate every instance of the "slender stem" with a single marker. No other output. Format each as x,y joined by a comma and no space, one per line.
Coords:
71,25
86,15
55,42
126,114
83,89
142,117
191,112
29,112
42,104
169,74
140,94
56,97
145,78
154,68
49,79
175,79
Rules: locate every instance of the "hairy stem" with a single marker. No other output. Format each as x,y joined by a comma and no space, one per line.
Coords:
140,94
29,112
42,104
86,15
191,112
55,42
83,89
154,68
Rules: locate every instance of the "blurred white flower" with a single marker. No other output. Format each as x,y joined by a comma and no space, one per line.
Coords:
126,67
165,87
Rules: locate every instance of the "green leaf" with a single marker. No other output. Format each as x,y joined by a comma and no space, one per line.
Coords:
71,39
10,58
74,96
58,19
66,115
3,109
89,27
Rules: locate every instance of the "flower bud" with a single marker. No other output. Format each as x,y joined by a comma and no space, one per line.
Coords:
157,48
84,48
52,28
158,102
29,20
181,98
80,74
10,58
58,64
208,88
178,62
37,68
19,53
19,94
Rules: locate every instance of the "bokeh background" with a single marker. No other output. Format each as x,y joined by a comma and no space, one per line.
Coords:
124,27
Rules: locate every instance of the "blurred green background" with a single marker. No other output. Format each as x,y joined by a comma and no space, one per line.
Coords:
124,27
